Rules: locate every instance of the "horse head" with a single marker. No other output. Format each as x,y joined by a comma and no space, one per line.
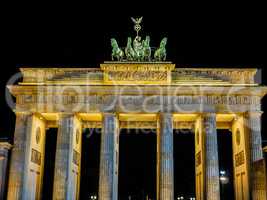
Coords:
114,43
129,42
163,42
147,41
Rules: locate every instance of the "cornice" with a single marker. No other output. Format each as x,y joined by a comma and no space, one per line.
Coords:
137,90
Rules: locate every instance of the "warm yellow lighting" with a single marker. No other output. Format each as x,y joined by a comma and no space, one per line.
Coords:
137,117
50,116
225,117
184,117
90,116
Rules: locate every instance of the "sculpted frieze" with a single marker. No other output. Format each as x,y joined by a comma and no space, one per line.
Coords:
137,100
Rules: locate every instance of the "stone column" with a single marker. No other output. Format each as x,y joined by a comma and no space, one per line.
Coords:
199,159
211,157
109,158
4,148
253,122
63,163
165,157
19,155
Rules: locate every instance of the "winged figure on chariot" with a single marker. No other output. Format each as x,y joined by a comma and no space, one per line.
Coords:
138,50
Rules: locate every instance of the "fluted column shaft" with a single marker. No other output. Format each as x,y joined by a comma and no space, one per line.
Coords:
18,155
254,127
109,158
212,163
253,122
4,148
62,175
165,157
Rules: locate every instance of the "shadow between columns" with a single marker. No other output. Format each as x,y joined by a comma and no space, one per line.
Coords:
137,164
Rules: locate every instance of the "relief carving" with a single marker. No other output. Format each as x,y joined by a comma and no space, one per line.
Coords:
239,159
36,157
138,75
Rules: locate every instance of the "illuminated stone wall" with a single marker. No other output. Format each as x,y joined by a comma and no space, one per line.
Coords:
133,95
240,140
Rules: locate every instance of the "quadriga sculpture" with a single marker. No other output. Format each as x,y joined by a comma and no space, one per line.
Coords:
147,49
129,51
160,53
116,51
138,50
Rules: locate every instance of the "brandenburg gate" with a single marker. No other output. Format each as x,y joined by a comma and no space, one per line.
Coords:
136,94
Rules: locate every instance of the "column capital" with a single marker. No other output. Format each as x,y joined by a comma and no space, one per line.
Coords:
65,115
253,114
25,113
209,118
165,113
5,146
168,114
39,115
109,113
208,114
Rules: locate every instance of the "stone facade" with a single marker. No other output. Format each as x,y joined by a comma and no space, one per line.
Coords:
135,95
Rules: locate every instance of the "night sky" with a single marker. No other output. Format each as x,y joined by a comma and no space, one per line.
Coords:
79,35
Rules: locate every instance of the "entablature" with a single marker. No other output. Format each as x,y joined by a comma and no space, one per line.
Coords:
139,90
148,73
143,120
